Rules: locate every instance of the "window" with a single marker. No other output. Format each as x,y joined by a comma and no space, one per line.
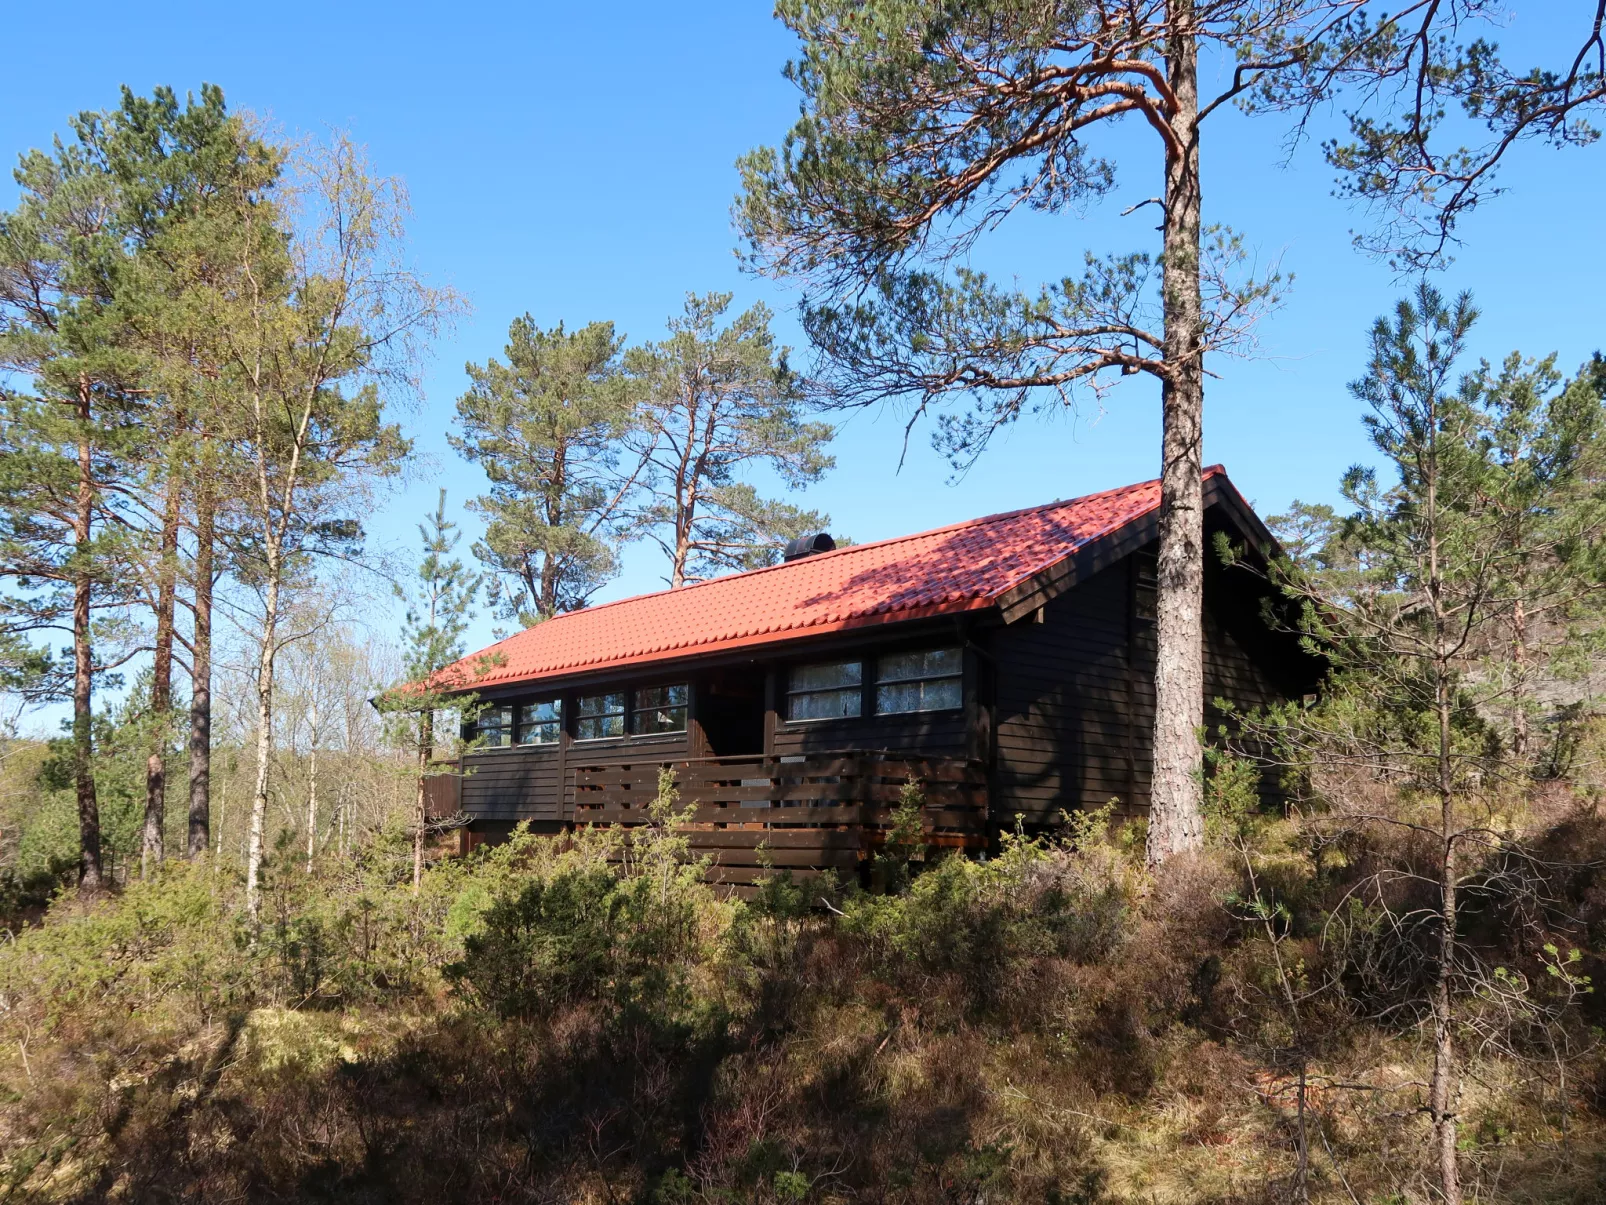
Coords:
599,716
832,691
659,709
1146,586
494,727
540,723
932,680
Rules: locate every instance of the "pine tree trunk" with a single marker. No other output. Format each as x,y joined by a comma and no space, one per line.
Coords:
153,845
1175,816
1519,684
426,749
201,677
89,863
1442,1089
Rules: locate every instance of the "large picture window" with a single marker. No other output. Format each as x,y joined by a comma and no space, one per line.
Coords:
659,709
831,691
599,716
494,727
931,680
540,723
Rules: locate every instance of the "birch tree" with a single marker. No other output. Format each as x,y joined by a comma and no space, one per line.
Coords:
322,325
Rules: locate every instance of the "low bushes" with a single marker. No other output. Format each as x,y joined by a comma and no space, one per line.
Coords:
583,1019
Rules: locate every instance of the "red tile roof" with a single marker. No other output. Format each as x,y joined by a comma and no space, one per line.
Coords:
964,567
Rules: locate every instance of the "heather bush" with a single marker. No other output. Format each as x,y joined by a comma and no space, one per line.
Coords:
582,1018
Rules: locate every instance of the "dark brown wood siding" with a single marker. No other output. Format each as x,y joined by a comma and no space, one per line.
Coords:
520,783
1063,703
536,782
1074,703
932,734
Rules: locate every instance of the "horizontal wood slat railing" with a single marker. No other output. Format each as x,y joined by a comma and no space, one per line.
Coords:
810,814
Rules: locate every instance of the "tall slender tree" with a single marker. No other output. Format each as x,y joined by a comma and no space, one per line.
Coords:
440,604
719,400
68,443
925,126
546,425
1484,513
320,324
177,166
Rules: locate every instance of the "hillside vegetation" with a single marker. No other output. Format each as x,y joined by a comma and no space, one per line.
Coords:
586,1021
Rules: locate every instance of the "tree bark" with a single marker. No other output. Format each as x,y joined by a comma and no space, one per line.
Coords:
426,749
259,797
200,820
312,785
1175,813
89,861
1519,685
1442,1089
153,845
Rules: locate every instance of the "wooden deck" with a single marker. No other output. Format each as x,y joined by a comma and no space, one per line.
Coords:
810,813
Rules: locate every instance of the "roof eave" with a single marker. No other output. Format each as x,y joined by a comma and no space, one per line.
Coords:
780,637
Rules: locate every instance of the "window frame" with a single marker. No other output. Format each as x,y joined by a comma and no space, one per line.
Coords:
624,715
521,725
957,675
506,730
1145,587
792,692
633,695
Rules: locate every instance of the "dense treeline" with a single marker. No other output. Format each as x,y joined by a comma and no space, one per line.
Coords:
208,333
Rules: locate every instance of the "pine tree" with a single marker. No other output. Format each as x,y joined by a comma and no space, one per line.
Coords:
925,126
719,401
1486,517
68,444
440,605
546,427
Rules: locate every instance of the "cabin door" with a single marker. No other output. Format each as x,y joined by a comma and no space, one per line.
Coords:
730,708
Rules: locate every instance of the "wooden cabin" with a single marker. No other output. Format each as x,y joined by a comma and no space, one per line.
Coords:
1006,663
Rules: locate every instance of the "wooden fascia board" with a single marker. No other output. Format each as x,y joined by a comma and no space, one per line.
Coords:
1221,492
1025,597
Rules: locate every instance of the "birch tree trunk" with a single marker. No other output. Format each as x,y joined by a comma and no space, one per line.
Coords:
1175,816
89,862
259,797
312,786
200,819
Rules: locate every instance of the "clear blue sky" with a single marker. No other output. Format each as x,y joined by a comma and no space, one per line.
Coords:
575,161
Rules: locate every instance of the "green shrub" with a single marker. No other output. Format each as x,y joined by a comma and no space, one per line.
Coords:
548,946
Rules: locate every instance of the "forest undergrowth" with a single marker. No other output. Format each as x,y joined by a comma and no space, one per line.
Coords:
583,1019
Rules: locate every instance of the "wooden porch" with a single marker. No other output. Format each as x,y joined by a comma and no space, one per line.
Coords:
810,812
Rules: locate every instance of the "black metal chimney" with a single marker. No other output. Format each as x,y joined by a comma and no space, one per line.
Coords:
803,546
